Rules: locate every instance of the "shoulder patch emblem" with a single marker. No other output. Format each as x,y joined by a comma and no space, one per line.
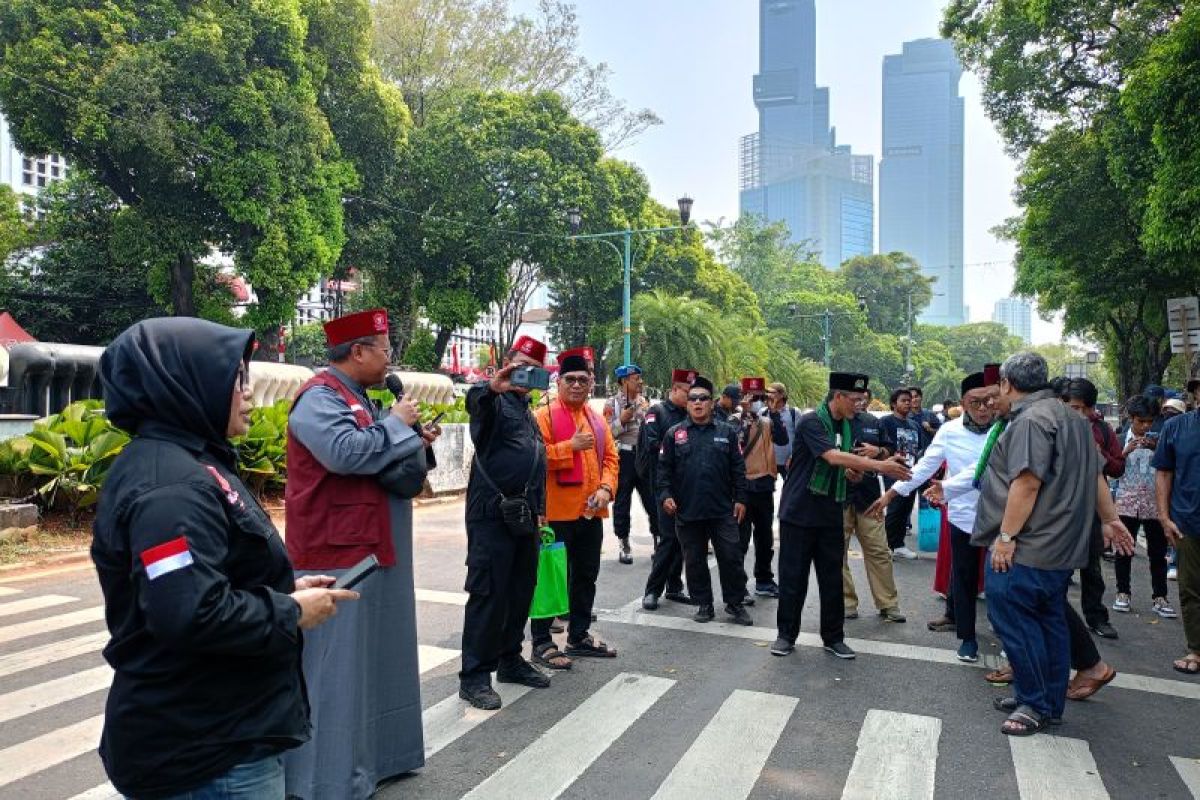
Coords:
231,495
681,436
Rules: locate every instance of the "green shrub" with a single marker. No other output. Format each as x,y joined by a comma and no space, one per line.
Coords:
262,452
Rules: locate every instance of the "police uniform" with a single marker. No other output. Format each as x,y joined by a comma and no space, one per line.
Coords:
628,437
700,468
666,567
501,567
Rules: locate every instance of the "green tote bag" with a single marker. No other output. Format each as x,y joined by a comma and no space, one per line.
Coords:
550,595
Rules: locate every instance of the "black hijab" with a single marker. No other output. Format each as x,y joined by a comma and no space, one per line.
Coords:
176,371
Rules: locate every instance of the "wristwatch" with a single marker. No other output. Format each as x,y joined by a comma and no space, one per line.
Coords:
1007,538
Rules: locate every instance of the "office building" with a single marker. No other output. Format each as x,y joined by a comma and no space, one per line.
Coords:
921,171
1016,315
792,169
27,174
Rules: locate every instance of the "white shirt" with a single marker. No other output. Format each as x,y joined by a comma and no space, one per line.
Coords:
960,449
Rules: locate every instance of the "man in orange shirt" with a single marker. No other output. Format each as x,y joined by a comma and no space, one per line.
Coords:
581,473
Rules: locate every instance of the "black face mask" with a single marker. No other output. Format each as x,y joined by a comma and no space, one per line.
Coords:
975,427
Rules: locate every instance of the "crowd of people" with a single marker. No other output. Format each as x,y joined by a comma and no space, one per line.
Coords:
230,681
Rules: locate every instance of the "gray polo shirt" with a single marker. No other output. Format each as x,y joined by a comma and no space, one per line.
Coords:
1048,439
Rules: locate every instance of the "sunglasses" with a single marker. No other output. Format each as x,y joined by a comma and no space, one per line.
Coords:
699,398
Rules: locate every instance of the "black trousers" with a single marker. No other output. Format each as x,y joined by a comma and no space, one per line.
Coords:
895,521
666,567
627,482
694,537
583,538
1156,550
760,514
964,583
799,550
1091,581
501,574
1084,654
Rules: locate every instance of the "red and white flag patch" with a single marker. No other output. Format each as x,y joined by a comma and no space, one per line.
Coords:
681,436
166,558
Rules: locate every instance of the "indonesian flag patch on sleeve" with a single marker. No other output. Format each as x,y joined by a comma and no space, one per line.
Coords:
166,557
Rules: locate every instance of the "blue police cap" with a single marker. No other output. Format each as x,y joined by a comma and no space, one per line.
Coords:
625,370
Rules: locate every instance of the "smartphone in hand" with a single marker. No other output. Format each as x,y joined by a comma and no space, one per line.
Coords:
355,575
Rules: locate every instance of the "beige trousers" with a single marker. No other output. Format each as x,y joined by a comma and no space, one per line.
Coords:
877,558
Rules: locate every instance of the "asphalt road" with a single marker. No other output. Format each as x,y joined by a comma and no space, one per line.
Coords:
686,710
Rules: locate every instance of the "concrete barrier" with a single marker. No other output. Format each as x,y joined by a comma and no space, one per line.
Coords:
273,382
454,451
44,378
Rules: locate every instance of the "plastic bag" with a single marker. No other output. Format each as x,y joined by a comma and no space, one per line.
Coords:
550,597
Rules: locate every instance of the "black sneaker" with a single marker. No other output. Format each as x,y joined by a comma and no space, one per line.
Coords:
524,673
483,697
625,555
738,615
782,647
650,602
1104,630
747,600
680,597
770,589
704,614
840,649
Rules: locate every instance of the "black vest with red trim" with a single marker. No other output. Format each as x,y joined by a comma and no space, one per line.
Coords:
334,521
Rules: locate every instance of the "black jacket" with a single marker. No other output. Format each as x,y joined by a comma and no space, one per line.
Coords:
661,417
509,446
205,645
702,469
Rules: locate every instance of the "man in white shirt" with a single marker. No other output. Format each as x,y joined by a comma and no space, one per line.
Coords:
958,444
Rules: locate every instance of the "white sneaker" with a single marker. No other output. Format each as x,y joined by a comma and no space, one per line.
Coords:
1172,574
1122,603
1163,608
903,552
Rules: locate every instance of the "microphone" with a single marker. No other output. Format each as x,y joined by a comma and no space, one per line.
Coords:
395,385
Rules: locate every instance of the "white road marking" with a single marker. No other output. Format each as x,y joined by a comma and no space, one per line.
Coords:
51,693
1055,768
752,720
49,653
104,791
34,627
1189,773
34,603
33,756
5,591
547,767
439,596
896,758
430,657
453,718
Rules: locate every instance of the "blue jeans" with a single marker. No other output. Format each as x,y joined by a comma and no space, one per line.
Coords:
253,780
1027,607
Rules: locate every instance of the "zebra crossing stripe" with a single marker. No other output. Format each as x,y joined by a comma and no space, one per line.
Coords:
1055,768
49,653
35,627
755,721
35,603
6,591
51,693
896,757
104,791
430,657
453,718
438,596
33,756
1189,773
547,767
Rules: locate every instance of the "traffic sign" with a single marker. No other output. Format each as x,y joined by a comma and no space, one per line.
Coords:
1183,320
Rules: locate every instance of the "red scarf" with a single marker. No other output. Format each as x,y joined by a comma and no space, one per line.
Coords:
563,426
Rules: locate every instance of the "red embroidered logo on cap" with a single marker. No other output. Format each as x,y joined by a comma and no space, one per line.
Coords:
380,320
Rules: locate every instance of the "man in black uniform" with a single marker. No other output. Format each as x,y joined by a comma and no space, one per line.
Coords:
810,512
666,568
727,405
701,482
510,462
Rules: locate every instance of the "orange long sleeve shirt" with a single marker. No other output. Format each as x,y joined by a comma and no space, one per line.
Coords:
567,503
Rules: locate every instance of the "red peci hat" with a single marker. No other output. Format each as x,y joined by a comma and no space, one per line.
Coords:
356,326
991,374
687,376
754,385
530,347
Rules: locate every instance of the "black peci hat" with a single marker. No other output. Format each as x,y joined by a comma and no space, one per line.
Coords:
702,382
973,381
848,381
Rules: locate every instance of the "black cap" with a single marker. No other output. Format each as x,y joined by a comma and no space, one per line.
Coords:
573,364
1193,385
848,381
733,392
973,381
702,382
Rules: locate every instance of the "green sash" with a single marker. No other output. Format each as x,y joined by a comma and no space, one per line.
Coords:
993,435
825,474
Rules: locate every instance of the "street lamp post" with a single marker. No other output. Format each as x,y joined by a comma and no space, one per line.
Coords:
826,318
625,253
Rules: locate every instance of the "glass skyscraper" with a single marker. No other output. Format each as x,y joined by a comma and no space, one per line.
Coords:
1016,315
792,169
921,172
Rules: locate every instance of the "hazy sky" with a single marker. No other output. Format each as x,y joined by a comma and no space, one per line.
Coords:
692,62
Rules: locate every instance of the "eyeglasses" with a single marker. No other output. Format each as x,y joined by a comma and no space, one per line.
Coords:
576,380
699,398
977,403
243,379
387,351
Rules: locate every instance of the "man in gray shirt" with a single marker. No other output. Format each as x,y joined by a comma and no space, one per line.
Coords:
1040,484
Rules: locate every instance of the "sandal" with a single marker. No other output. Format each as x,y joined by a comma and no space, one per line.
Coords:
1010,704
1188,665
590,648
1000,677
548,655
1081,688
1023,722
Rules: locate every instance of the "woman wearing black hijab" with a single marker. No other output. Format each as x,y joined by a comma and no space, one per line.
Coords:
200,600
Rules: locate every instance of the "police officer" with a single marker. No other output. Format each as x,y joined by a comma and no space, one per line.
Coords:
701,482
502,557
666,568
626,412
